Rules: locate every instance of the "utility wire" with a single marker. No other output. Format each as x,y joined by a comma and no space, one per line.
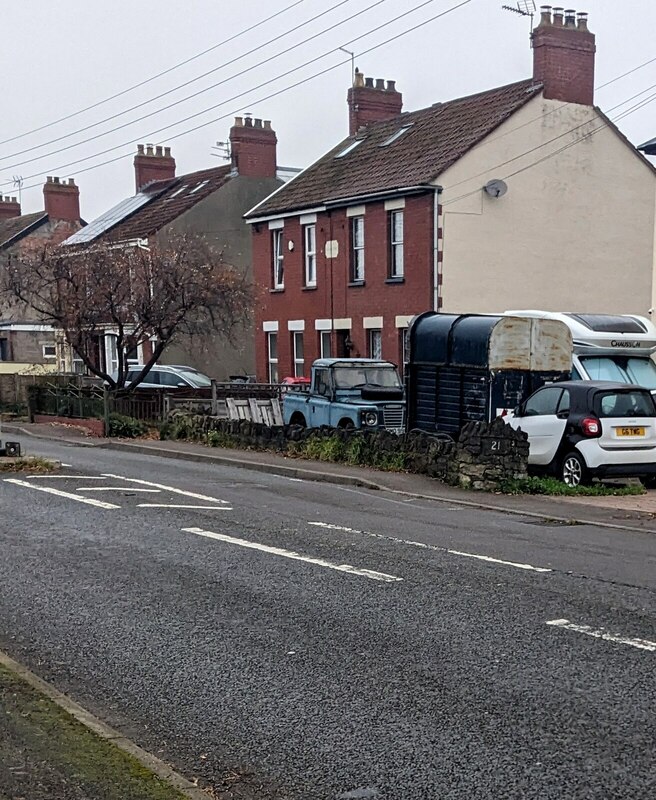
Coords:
241,94
188,83
603,127
261,99
159,74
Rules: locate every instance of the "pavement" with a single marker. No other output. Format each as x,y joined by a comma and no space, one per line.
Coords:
290,638
636,511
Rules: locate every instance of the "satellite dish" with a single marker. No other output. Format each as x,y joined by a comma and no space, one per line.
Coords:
496,188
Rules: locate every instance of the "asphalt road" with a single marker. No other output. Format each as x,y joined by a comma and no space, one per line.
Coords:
310,641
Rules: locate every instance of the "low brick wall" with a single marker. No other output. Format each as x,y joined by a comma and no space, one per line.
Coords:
484,456
96,427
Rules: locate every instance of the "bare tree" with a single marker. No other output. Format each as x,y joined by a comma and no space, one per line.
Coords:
158,294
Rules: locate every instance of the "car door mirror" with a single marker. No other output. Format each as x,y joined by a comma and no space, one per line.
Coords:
563,414
518,411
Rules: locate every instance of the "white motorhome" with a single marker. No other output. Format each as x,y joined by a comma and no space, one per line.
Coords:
608,347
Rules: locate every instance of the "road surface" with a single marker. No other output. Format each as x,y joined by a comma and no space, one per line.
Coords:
308,641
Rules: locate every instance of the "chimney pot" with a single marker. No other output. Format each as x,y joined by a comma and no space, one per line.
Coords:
558,16
55,179
49,179
239,121
258,123
380,83
391,86
159,151
71,181
248,122
570,18
149,150
13,200
167,152
369,83
358,78
582,20
545,15
267,124
140,149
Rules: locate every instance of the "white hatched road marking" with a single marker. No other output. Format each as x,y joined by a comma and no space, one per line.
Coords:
279,551
166,488
425,546
116,489
67,477
88,500
174,505
600,633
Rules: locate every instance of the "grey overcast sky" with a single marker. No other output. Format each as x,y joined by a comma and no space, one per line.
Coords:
60,57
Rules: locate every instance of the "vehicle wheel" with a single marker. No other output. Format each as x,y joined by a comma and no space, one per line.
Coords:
573,470
346,424
298,419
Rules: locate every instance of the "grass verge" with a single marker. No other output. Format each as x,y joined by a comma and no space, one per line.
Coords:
28,464
45,753
551,486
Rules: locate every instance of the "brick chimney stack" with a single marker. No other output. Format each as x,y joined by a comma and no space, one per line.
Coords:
253,148
9,207
372,102
153,164
62,199
564,55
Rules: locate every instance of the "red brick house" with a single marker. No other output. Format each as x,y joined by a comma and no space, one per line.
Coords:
396,219
25,343
210,202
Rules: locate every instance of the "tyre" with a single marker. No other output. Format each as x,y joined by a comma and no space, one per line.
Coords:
298,419
346,424
573,470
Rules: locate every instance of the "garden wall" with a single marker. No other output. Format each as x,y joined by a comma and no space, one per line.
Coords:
485,455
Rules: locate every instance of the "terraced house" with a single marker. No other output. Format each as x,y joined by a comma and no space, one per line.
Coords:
525,195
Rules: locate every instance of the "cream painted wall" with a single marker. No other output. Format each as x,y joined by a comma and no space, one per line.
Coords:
574,233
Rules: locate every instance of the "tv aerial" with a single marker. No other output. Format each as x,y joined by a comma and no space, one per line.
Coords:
525,8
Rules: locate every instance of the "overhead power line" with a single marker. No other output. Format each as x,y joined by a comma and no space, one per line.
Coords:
303,81
239,95
150,100
155,77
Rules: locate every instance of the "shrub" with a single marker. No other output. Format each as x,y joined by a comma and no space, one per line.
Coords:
126,427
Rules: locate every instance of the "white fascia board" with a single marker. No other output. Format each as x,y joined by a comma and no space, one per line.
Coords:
285,215
26,327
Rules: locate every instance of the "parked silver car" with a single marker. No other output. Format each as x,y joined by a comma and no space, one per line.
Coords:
163,376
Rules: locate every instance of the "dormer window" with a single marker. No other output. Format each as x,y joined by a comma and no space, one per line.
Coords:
397,135
349,148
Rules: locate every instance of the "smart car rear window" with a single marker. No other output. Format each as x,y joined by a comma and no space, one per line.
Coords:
625,404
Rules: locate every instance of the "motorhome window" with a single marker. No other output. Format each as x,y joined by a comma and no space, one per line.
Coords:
624,369
625,404
350,378
603,323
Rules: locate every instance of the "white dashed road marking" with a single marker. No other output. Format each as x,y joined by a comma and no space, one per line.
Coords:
115,489
600,633
279,551
174,505
67,477
88,500
166,488
425,546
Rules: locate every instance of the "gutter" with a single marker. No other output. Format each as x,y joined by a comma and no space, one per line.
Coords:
437,190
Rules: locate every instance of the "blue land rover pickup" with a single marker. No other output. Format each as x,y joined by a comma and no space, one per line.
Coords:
349,393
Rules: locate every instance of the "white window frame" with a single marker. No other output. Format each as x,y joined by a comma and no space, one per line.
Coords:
357,249
396,245
272,361
299,358
325,337
375,335
49,344
278,261
310,252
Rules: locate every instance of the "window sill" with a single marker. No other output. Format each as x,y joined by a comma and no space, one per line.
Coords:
355,284
309,289
400,279
277,290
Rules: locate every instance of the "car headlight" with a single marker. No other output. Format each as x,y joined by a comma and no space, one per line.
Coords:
370,418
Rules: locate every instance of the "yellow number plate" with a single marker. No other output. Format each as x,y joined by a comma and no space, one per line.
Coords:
630,431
